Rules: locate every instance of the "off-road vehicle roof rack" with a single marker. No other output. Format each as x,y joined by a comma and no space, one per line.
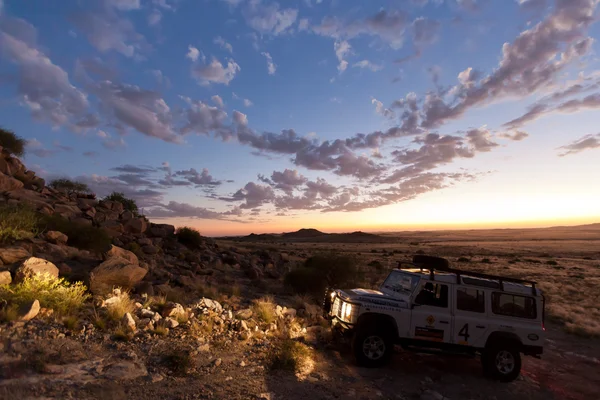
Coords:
433,264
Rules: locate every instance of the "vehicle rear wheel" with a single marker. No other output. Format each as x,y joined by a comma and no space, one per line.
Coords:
372,348
502,363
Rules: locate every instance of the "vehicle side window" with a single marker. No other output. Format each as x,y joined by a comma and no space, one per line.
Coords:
513,305
468,299
433,294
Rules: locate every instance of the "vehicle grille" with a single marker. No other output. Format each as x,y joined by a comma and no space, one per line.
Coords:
336,309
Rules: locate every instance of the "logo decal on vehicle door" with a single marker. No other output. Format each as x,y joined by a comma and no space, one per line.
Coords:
430,320
436,335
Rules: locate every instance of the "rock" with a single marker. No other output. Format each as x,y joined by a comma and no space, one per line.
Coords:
144,242
171,323
146,324
115,272
289,313
145,313
35,266
121,253
125,371
64,270
56,237
173,310
245,335
150,249
161,230
211,305
5,278
136,225
244,314
8,183
86,204
66,210
154,378
118,207
253,273
29,310
82,221
217,362
244,326
204,348
128,322
242,364
12,254
113,228
126,216
145,288
431,395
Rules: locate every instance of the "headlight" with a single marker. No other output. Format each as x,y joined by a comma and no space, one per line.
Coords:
346,313
332,295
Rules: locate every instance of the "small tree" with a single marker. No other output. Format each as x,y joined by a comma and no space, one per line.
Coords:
12,143
189,237
68,186
128,204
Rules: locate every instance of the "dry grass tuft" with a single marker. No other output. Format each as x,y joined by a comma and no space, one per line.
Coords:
264,309
9,313
123,304
291,356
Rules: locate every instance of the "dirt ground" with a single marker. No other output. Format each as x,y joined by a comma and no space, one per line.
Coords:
565,262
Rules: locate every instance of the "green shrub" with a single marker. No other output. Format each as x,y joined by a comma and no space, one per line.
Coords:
291,356
82,236
377,265
189,237
17,222
61,296
12,143
321,271
179,361
128,204
69,186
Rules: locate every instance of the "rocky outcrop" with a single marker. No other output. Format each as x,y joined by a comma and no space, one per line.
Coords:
35,266
8,183
136,225
115,272
121,253
56,237
13,254
5,278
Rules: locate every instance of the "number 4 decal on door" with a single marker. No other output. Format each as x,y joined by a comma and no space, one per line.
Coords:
464,332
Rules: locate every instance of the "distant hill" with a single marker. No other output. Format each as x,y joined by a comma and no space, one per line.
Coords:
315,236
303,233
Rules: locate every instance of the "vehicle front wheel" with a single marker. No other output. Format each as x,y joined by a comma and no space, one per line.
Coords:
502,363
372,348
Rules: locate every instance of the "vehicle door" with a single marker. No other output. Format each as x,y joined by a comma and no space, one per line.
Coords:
431,318
470,321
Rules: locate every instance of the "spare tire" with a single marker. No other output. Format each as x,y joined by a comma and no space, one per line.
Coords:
430,261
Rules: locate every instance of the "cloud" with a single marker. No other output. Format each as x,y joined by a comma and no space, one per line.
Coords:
134,169
481,139
175,209
381,110
154,18
104,185
124,5
586,142
517,136
342,49
193,53
531,62
200,179
223,44
42,86
387,26
288,180
247,103
218,101
269,19
140,109
215,72
533,5
368,65
424,31
203,119
253,195
469,5
91,154
36,147
271,67
107,31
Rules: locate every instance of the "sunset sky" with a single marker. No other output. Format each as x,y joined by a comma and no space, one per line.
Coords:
240,116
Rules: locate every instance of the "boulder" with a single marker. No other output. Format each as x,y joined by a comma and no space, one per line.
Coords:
91,213
5,278
161,230
8,183
35,266
118,207
170,323
56,237
66,210
112,228
144,242
12,254
244,314
82,221
115,272
173,310
150,249
126,215
120,253
86,204
136,225
4,167
29,310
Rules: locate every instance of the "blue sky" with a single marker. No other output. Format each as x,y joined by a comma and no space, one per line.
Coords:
254,115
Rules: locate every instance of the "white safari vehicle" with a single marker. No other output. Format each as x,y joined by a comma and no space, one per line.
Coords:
428,306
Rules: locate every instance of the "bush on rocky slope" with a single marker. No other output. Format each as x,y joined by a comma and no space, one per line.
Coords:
54,293
85,237
17,222
321,271
128,204
189,237
12,143
69,186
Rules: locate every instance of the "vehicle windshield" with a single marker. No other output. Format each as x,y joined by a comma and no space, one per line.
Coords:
400,282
